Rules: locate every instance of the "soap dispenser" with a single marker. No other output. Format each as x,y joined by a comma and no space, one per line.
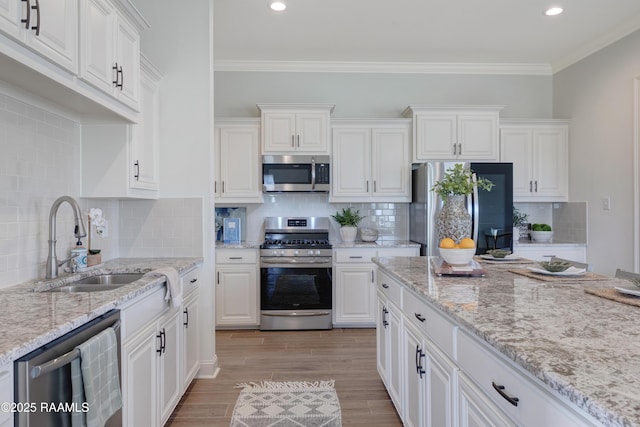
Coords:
79,256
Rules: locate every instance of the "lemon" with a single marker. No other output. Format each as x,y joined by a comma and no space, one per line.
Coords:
467,243
447,243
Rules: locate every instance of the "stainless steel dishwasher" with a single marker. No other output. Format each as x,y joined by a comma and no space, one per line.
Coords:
43,377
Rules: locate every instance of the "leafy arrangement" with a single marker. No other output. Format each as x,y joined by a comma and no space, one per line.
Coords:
348,217
519,218
540,227
458,181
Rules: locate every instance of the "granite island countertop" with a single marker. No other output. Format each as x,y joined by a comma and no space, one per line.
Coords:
582,347
31,318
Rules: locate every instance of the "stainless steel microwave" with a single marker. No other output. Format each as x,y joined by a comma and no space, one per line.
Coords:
296,173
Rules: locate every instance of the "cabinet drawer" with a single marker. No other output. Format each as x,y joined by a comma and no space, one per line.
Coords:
433,325
536,405
354,255
141,312
390,288
236,256
190,281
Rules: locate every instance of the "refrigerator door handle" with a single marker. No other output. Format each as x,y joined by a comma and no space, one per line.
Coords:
475,208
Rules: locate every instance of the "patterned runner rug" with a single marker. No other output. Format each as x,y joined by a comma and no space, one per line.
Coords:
287,404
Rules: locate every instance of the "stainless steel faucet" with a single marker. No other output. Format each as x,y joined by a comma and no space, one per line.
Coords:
79,231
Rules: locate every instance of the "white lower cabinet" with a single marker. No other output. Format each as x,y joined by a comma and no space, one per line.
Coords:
156,352
389,336
190,329
354,302
449,377
6,393
237,287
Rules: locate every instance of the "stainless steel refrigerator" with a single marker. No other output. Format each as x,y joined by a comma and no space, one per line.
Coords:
491,211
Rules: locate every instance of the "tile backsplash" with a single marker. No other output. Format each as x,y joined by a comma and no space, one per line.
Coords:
390,219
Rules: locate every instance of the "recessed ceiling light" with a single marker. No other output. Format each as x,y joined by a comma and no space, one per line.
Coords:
553,11
277,5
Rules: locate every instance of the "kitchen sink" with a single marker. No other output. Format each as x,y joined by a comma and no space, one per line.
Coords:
100,283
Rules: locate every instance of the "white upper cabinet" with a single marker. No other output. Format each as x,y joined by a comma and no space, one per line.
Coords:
289,128
237,171
538,150
120,160
110,48
370,161
49,27
455,133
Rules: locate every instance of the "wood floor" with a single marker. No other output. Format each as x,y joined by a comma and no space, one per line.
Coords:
346,355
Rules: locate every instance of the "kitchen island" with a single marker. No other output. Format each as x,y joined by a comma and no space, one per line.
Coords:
581,348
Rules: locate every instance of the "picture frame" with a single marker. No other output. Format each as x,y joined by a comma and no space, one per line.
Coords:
232,230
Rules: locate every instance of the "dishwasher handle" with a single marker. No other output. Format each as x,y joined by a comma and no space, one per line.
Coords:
65,359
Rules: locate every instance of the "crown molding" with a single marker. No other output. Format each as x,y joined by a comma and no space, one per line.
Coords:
384,67
621,31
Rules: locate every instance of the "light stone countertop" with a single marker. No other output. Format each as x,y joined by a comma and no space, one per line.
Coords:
31,319
239,245
583,347
381,244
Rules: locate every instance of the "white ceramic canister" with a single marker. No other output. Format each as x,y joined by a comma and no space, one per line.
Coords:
79,253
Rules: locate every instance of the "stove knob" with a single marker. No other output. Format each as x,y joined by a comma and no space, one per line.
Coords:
317,251
310,252
296,252
275,253
282,253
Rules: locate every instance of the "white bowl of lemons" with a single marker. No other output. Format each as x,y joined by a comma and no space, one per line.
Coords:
457,253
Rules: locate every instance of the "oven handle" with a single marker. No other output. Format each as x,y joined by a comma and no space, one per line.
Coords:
290,262
298,314
66,358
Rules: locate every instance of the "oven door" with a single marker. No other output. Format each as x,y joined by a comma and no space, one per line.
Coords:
286,287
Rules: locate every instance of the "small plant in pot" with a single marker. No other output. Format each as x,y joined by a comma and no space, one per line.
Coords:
541,232
520,224
348,220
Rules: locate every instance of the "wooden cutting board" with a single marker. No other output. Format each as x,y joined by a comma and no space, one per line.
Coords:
614,295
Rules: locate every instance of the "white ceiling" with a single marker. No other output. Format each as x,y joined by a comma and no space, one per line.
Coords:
416,35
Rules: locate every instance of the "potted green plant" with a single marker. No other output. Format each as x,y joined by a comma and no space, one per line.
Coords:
454,221
348,220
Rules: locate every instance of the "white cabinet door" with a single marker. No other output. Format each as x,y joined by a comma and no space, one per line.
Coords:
477,136
539,153
390,160
414,376
140,359
127,58
97,41
56,36
11,15
516,148
236,295
279,130
6,393
395,355
170,372
144,168
436,134
441,387
550,162
239,177
191,346
382,339
354,294
312,132
351,162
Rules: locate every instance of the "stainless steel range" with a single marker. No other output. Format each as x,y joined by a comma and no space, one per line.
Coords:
295,274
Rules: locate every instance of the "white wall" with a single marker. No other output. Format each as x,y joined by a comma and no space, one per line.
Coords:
180,44
597,95
381,95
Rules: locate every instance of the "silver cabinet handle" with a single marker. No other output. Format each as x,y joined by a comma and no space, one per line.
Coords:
293,143
375,189
454,148
367,186
459,149
223,186
536,187
530,186
235,257
298,141
354,256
